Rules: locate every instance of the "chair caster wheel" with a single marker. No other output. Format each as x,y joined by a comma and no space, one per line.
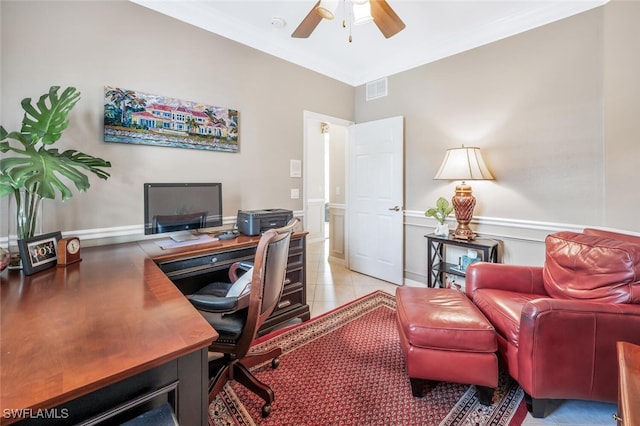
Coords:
275,362
266,410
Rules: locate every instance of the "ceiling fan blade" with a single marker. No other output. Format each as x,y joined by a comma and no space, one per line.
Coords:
308,24
385,18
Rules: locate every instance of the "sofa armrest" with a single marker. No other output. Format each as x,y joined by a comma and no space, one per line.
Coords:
572,345
517,278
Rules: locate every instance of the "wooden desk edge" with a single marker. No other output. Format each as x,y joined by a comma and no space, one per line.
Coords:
629,385
153,251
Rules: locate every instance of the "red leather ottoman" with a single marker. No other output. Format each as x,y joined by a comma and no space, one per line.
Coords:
445,338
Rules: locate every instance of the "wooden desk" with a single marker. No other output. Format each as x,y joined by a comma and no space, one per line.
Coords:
628,384
97,334
193,266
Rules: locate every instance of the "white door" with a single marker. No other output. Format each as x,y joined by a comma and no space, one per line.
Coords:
376,198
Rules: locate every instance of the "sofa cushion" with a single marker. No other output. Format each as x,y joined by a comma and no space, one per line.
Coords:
503,308
591,267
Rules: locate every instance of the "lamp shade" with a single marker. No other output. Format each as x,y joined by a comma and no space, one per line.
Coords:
464,163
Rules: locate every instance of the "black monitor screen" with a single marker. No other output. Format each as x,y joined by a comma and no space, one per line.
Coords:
174,207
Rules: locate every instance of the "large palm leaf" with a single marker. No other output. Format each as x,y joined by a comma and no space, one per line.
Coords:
38,168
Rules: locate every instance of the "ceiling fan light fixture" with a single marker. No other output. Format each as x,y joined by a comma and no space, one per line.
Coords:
327,8
361,13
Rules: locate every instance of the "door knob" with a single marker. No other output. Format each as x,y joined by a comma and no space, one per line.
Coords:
395,209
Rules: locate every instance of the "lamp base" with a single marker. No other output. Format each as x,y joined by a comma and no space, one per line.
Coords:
463,203
463,232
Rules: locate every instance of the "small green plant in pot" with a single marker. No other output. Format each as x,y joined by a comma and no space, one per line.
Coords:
36,170
440,213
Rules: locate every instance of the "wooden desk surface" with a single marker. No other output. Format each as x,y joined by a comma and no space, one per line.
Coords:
153,250
69,331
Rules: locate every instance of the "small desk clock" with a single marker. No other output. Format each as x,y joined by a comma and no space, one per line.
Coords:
68,251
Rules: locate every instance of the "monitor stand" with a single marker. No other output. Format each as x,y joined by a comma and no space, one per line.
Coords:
182,236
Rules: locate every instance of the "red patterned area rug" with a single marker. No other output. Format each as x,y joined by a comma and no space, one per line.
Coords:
346,367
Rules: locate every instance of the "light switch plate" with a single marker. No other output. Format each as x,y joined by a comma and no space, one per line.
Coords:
295,168
295,193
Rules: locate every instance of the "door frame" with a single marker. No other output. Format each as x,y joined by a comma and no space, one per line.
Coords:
310,115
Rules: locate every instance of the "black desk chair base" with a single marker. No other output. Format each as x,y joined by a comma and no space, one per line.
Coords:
222,371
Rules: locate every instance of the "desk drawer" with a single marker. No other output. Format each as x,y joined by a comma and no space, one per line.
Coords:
196,265
292,296
295,276
296,245
295,261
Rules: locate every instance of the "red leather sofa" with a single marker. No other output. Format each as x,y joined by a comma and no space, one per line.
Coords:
558,324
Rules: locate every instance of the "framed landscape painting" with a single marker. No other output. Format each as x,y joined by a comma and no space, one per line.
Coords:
142,119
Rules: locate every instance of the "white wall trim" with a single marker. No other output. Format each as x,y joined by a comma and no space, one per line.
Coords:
416,218
128,233
527,230
337,261
408,282
522,241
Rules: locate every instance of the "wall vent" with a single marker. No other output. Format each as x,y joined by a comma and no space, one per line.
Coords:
377,89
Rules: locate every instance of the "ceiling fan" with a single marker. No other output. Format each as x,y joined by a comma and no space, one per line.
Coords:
364,11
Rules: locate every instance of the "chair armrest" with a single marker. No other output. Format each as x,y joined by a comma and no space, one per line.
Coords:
243,301
570,347
233,270
499,276
214,304
548,306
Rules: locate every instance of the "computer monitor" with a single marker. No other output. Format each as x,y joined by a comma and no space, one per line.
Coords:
181,208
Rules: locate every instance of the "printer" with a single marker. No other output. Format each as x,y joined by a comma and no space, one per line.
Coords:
255,222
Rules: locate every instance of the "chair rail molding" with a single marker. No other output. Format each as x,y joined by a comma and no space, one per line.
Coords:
500,228
124,234
522,241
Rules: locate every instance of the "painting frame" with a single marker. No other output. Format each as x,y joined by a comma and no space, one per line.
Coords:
138,118
39,253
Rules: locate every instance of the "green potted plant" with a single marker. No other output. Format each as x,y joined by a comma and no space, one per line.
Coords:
440,213
36,170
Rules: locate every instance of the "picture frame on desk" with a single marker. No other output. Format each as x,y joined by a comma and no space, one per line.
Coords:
39,253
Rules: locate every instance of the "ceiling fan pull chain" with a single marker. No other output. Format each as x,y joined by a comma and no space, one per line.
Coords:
344,13
350,22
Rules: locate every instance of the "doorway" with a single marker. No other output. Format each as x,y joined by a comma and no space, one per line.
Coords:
366,173
324,181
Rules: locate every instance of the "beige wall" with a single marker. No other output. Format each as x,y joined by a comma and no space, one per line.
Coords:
532,102
622,114
92,44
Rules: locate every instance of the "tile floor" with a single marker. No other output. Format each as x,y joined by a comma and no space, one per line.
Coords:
330,284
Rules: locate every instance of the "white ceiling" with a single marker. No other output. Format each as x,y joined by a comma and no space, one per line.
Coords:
434,29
